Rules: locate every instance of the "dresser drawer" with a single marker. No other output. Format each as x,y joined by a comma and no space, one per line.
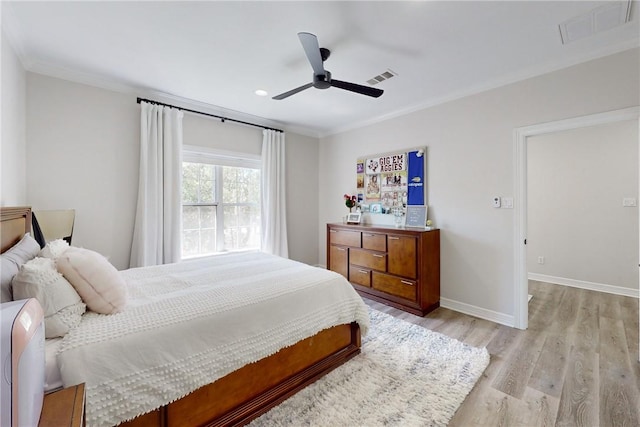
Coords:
372,260
339,257
374,241
345,238
360,275
403,256
394,285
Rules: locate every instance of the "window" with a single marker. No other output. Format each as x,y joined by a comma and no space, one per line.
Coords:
220,202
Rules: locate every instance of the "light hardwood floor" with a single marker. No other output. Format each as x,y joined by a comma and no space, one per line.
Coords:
576,365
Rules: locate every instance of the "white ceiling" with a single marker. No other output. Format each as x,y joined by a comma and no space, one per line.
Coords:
216,54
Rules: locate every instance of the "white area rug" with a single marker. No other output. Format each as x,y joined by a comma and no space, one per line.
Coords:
406,376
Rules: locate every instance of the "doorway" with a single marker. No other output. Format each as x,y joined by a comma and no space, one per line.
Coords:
521,136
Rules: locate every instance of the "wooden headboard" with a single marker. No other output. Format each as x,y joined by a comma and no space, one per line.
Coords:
14,222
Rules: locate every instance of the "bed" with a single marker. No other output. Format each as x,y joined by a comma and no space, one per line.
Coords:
240,395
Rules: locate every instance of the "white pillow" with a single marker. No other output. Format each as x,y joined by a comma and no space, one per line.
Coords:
54,249
25,250
61,304
96,280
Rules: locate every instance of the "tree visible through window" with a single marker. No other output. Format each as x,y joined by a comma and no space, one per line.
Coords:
220,208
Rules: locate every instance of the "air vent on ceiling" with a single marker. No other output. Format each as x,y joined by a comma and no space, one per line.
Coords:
599,19
381,77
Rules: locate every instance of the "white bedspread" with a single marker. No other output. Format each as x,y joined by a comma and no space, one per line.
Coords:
190,323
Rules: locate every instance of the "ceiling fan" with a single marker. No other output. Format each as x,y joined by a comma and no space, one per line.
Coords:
321,77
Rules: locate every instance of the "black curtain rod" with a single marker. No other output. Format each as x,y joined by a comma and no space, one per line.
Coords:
223,119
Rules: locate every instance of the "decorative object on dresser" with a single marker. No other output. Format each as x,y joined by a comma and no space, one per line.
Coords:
354,218
350,201
396,266
416,216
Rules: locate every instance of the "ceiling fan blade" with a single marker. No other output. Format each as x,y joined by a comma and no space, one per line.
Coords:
312,49
292,91
364,90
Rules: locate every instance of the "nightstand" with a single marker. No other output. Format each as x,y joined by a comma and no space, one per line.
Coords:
63,408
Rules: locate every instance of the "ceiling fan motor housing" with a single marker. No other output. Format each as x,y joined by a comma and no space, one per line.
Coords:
322,81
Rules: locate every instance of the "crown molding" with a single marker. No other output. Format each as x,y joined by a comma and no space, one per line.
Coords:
110,84
528,73
94,80
12,30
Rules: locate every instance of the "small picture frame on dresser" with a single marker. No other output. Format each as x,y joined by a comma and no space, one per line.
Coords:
354,218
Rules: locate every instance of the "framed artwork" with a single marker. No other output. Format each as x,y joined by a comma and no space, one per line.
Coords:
354,218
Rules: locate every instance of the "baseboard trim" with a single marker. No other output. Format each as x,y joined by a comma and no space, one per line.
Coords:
472,310
591,286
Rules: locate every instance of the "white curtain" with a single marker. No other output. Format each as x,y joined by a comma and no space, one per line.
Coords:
156,234
273,201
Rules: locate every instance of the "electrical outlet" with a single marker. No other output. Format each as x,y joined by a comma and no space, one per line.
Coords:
540,260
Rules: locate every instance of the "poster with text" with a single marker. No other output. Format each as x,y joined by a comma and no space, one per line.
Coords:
389,163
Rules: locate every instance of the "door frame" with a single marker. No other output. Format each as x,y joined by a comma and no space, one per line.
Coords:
520,136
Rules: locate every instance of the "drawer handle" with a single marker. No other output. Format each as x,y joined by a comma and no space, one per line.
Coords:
341,249
407,283
363,271
378,256
393,238
333,231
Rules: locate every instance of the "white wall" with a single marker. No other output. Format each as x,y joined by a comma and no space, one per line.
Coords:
83,153
302,197
13,145
576,221
470,153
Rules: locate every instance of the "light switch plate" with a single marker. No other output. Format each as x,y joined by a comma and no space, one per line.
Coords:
507,202
628,202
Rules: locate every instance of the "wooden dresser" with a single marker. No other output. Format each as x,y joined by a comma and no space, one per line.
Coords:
396,266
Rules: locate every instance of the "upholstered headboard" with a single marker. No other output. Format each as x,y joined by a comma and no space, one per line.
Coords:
14,222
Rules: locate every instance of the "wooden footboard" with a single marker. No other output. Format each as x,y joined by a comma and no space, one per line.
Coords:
252,390
245,394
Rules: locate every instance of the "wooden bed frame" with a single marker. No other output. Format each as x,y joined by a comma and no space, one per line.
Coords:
245,394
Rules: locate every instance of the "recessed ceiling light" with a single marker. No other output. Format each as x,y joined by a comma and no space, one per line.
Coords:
261,92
